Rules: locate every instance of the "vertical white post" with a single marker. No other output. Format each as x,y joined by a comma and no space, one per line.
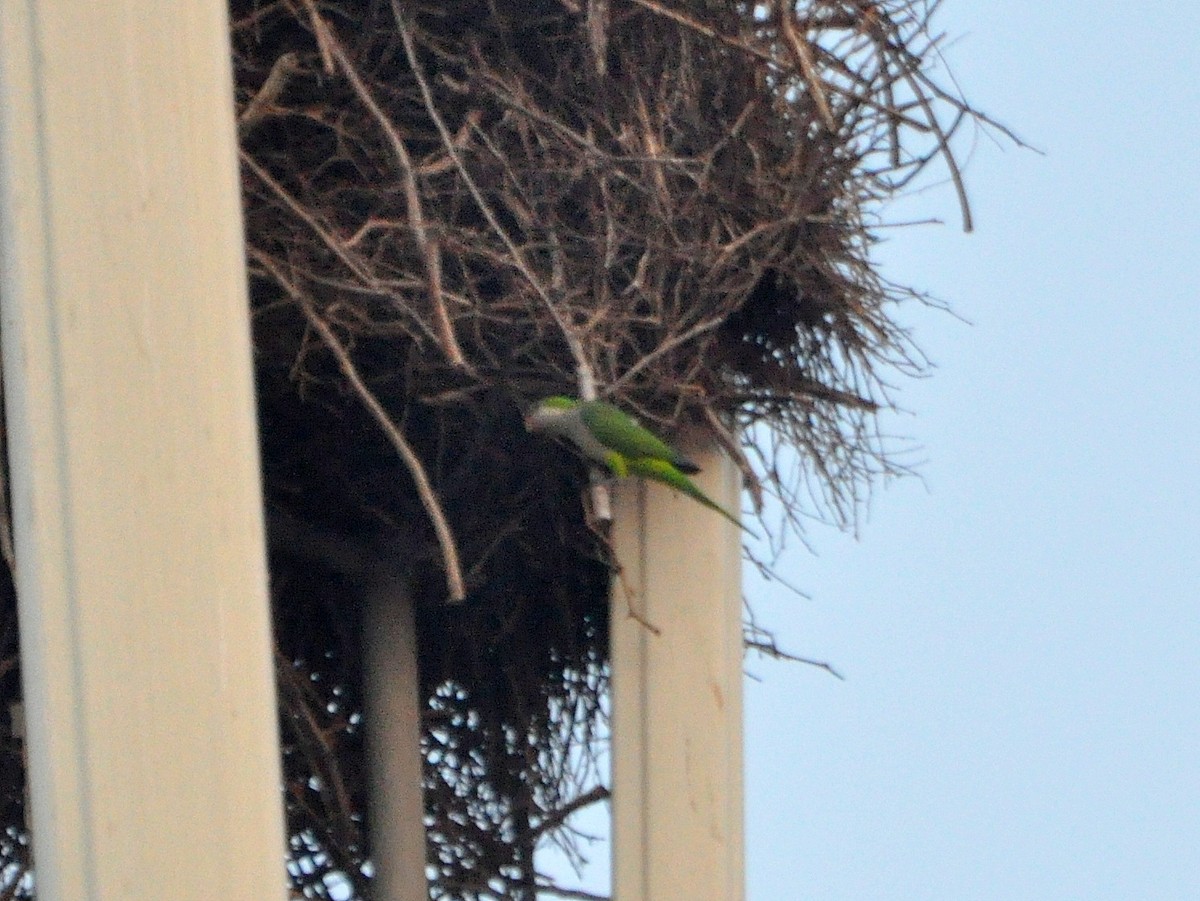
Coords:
677,695
392,707
145,641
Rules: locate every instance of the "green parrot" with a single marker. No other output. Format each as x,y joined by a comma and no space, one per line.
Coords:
606,435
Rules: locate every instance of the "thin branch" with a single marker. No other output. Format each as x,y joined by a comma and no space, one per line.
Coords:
303,213
262,104
547,886
688,22
768,648
597,28
429,499
555,818
518,258
318,747
808,66
430,248
666,347
943,140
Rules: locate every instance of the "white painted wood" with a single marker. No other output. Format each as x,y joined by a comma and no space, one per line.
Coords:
392,714
677,695
144,622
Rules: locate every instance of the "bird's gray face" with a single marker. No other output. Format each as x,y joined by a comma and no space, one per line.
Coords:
555,415
542,419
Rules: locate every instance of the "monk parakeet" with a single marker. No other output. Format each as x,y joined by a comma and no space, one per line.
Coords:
606,435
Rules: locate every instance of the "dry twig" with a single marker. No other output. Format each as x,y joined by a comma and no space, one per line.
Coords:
455,586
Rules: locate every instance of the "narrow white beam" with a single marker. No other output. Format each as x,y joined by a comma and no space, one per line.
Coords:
146,657
392,715
677,695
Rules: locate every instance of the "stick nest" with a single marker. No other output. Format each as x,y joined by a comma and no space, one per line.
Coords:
455,207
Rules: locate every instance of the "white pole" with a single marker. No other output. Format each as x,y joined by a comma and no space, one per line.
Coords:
392,715
152,738
677,695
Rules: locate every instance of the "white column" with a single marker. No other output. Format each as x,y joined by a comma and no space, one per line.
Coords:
677,695
145,640
392,715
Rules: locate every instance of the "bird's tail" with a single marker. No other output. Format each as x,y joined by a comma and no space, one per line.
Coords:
665,472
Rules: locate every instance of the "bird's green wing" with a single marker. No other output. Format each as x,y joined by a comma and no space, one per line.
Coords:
663,471
620,432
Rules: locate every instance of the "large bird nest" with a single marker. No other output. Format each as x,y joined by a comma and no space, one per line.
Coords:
456,206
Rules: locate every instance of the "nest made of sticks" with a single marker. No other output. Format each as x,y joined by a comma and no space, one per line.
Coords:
456,206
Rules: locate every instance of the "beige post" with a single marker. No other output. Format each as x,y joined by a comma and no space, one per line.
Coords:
677,695
392,704
145,641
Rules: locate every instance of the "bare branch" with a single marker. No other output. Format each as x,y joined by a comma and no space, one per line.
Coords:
430,249
804,57
518,258
555,818
262,104
301,212
429,499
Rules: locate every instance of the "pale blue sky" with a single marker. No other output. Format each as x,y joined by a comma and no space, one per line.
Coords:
1021,633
